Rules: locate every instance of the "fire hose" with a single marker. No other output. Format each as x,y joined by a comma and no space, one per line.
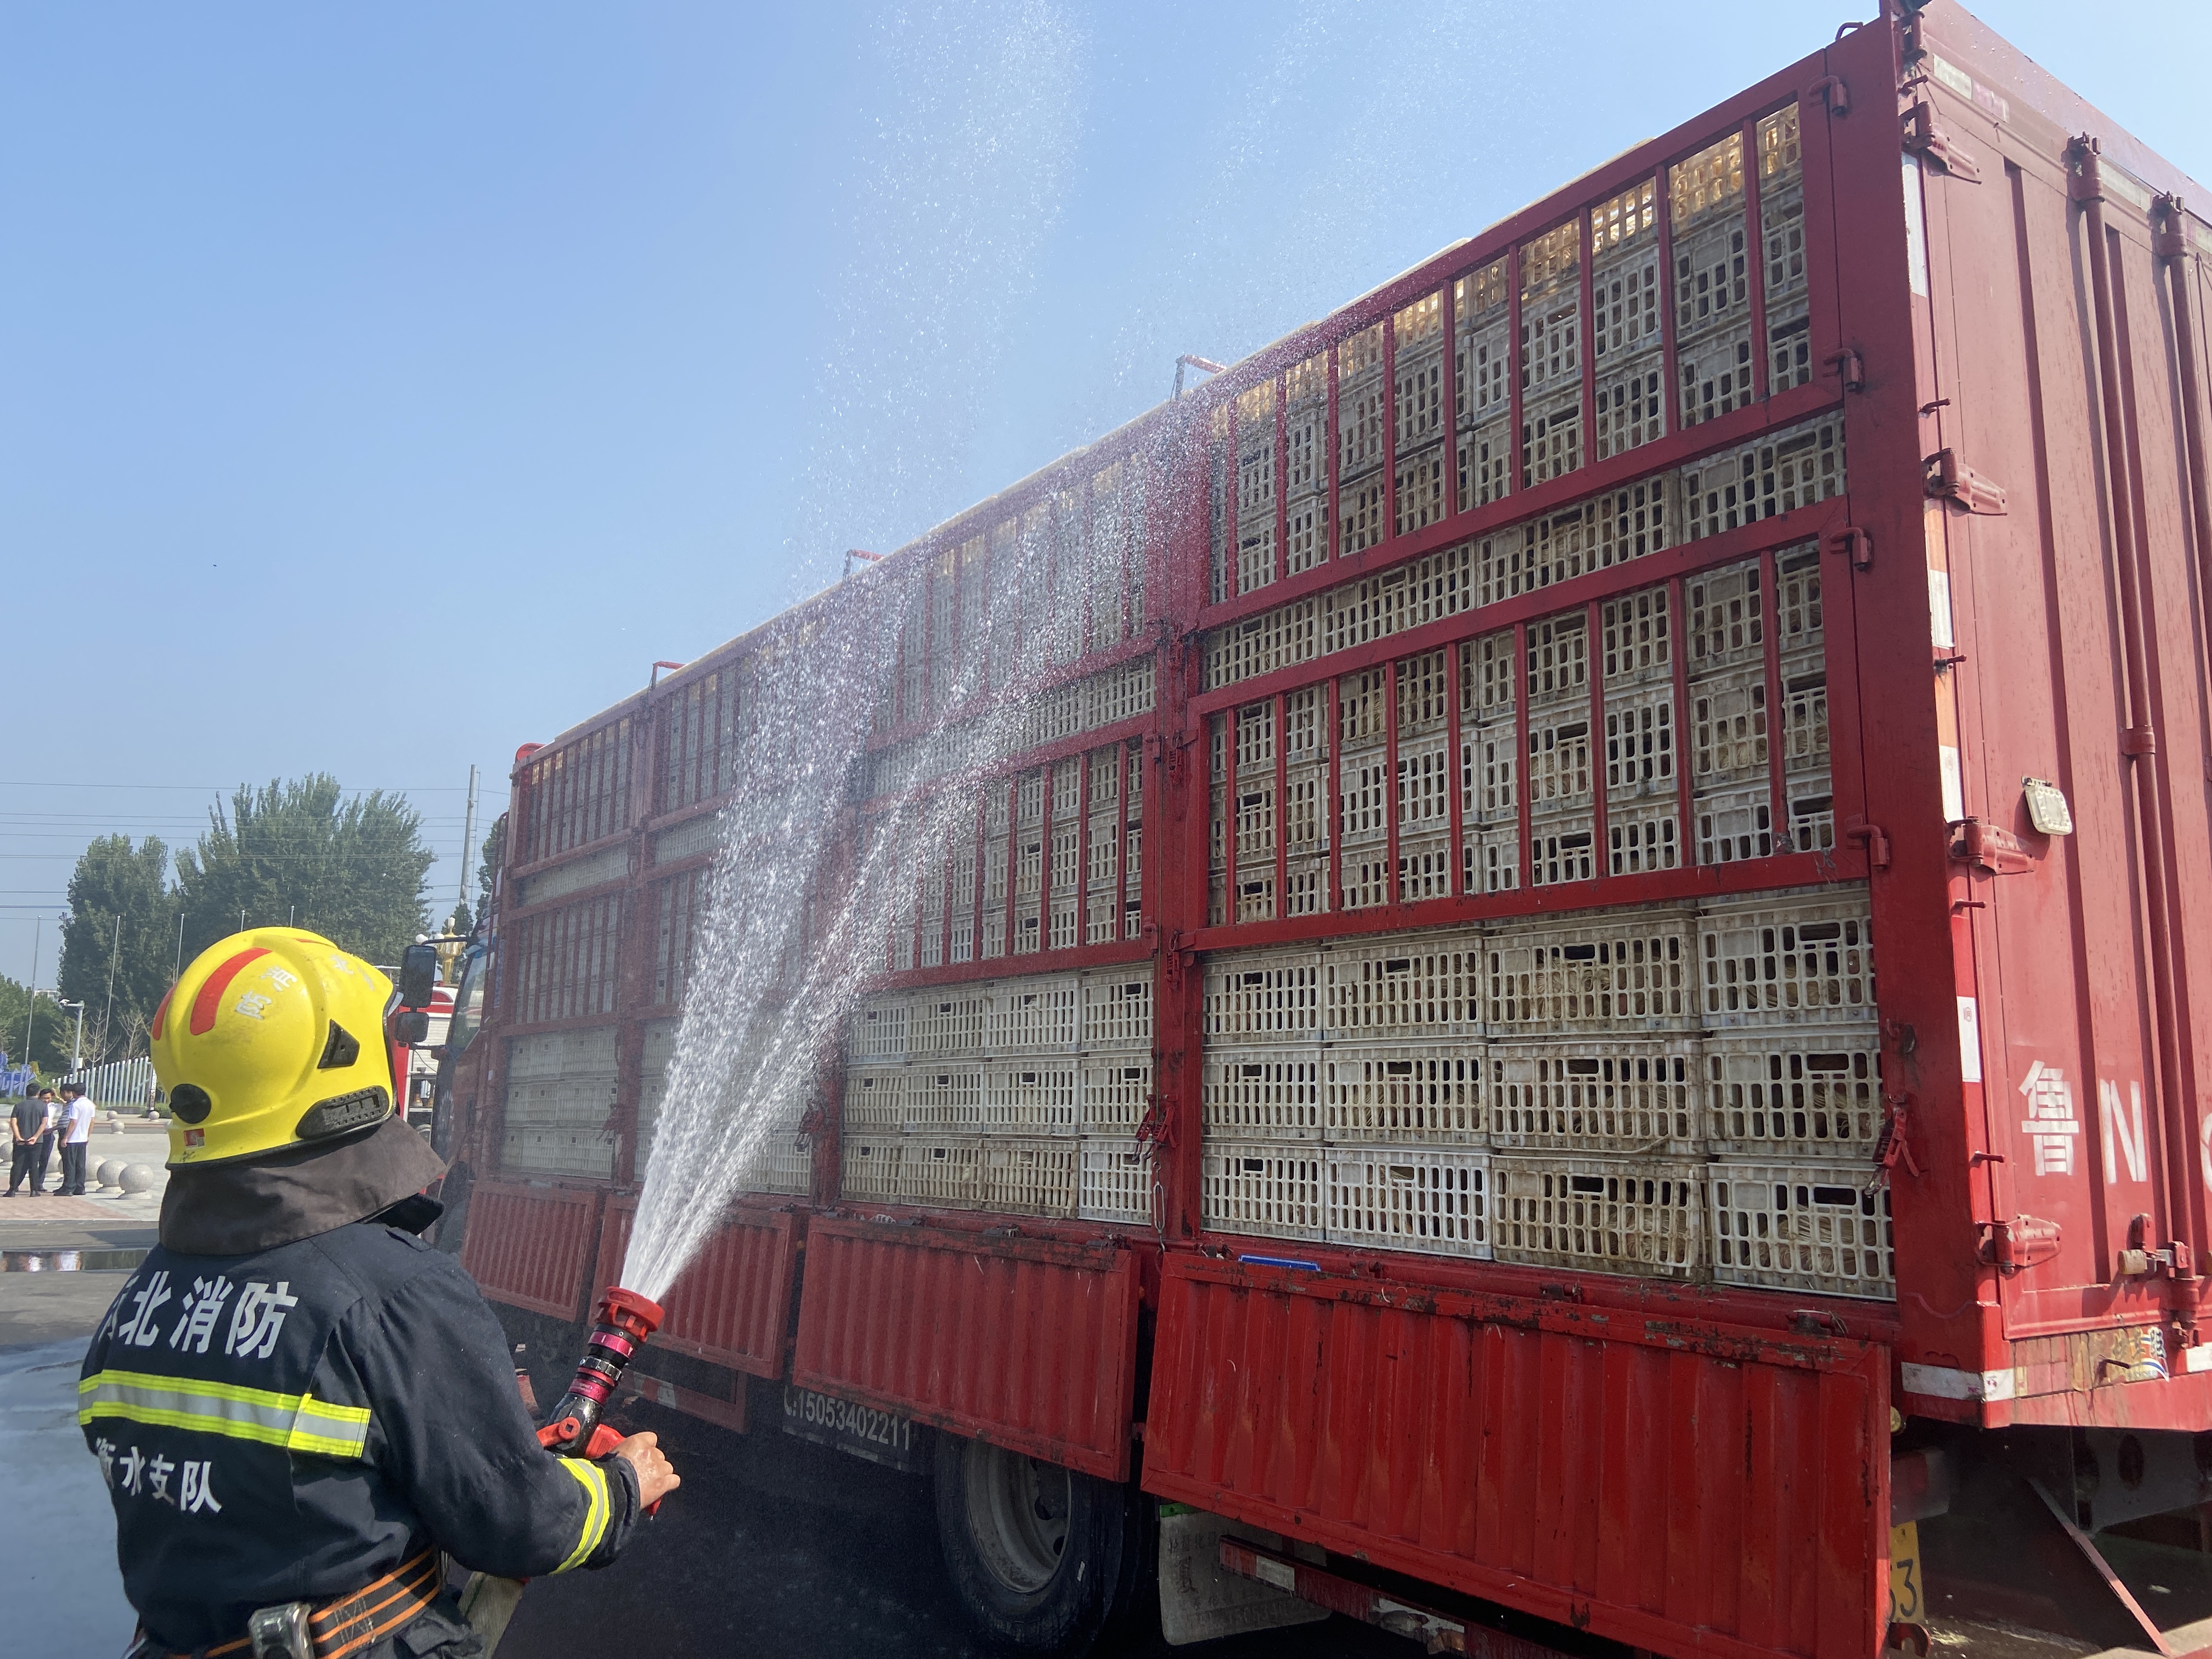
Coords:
626,1321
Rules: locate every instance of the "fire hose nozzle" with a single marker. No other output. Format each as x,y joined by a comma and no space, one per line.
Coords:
626,1321
631,1311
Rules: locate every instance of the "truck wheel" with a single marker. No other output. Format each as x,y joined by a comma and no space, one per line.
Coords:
1039,1554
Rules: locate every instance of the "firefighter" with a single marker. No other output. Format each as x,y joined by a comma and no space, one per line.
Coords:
298,1406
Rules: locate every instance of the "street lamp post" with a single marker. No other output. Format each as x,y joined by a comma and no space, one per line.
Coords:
77,1053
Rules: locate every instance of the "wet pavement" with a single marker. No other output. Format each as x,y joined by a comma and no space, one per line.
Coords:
64,1598
774,1547
779,1548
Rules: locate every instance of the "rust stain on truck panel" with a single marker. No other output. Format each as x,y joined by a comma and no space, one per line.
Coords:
1022,1342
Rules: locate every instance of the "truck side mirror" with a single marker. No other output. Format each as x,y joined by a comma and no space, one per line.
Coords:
418,972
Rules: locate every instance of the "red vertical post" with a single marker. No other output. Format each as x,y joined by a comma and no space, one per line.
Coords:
946,863
1778,736
1678,641
975,910
1333,809
1282,809
1232,724
1516,360
1393,787
1754,248
1601,740
1013,854
1088,542
1282,479
1131,551
1052,617
1588,325
1449,410
1663,211
930,671
1046,776
1456,663
1121,835
1232,566
1083,848
1520,744
1389,424
921,904
1335,547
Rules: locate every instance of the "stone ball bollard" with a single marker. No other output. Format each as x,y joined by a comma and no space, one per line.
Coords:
110,1172
135,1178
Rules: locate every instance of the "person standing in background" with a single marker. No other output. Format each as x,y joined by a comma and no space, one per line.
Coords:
25,1120
77,1134
42,1154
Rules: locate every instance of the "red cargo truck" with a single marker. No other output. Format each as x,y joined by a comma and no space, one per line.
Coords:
1449,1131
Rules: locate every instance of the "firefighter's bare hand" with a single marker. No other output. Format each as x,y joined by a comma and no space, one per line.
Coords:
656,1477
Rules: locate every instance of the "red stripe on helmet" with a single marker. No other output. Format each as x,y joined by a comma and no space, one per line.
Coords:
161,1013
217,983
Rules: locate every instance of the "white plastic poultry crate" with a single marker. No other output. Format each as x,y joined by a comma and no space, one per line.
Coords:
1640,1216
1804,1092
1255,1094
1116,1181
1263,997
1272,1191
1409,1198
1603,974
1799,957
1803,1227
1423,985
1409,1093
1638,1095
1027,1099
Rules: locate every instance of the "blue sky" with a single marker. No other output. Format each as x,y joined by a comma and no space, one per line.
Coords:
381,389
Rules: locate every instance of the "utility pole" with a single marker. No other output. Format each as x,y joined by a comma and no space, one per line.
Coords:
468,840
31,1002
77,1053
114,950
179,974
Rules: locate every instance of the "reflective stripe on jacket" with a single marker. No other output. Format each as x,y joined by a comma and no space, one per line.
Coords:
287,1426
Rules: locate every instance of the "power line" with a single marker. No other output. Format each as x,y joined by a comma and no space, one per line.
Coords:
218,788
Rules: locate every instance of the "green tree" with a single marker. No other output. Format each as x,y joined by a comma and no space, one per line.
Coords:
50,1033
121,934
495,848
351,869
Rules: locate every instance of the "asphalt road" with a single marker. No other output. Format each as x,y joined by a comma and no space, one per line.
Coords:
778,1547
774,1547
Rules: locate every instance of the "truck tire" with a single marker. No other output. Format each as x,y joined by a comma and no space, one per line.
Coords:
1040,1555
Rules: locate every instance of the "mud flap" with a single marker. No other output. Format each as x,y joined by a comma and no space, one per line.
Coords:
1199,1602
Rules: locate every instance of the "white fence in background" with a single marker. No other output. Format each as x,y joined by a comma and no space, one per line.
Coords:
126,1084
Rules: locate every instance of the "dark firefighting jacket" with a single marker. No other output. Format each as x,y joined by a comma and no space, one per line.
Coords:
289,1423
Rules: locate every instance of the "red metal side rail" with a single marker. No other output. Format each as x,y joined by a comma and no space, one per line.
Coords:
1027,1343
1681,1487
732,1305
532,1246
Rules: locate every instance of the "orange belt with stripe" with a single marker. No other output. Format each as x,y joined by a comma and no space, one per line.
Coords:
355,1623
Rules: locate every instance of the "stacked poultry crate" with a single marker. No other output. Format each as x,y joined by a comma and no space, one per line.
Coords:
1688,1091
1022,1097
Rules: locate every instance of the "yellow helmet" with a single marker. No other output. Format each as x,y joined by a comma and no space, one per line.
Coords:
272,1038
